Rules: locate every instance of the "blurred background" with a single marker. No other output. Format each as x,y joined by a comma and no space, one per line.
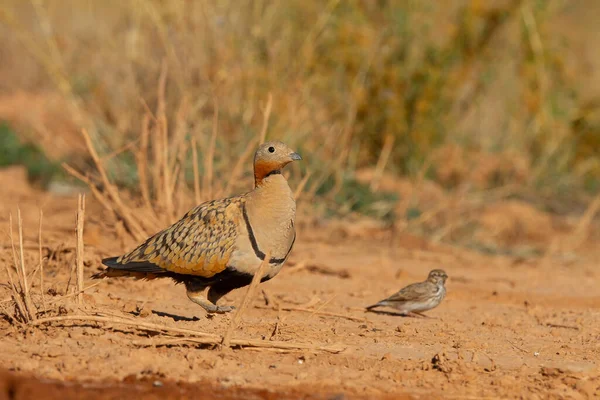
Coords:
475,122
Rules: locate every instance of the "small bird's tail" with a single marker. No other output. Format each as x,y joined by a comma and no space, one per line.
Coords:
373,306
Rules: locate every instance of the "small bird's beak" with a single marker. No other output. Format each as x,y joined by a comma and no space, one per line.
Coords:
295,156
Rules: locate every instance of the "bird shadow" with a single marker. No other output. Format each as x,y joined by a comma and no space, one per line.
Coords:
174,316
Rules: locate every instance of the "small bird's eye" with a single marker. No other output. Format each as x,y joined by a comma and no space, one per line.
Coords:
271,149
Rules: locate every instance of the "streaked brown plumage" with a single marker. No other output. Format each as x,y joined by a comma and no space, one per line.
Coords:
221,243
418,297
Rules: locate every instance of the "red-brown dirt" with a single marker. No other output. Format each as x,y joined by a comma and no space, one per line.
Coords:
510,327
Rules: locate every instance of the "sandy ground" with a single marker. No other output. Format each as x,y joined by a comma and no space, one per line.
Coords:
509,327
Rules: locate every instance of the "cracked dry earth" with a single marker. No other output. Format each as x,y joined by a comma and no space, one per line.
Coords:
509,327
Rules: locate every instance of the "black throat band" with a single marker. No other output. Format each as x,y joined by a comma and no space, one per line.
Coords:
275,172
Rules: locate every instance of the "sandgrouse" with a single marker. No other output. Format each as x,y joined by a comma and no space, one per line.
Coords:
221,243
418,297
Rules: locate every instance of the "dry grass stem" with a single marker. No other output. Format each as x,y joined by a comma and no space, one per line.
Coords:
207,191
131,223
250,343
301,185
23,273
237,170
79,248
579,235
15,292
160,139
266,117
384,157
41,258
120,150
76,293
14,254
581,232
20,291
24,283
102,199
575,328
245,300
197,195
141,158
200,337
121,321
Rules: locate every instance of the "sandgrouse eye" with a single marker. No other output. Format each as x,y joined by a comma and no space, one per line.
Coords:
271,149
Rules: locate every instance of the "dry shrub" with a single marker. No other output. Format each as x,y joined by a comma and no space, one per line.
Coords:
344,77
455,166
513,223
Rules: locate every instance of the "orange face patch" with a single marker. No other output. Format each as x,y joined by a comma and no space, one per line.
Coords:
264,168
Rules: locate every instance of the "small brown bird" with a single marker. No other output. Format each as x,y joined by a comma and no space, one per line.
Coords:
418,297
220,244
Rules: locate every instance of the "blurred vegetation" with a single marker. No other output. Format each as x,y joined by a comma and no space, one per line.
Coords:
487,78
40,169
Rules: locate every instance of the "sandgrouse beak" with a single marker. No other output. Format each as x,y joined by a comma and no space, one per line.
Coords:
295,156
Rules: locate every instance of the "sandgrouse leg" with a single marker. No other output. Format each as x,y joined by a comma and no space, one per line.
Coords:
195,294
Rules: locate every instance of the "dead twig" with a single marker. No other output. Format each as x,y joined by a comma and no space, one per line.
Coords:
516,347
323,305
200,337
301,185
20,292
562,326
161,138
197,195
242,307
102,199
277,326
251,343
320,269
579,235
74,293
266,116
239,167
41,256
79,250
15,291
120,321
207,186
266,298
386,150
141,157
132,224
24,284
120,150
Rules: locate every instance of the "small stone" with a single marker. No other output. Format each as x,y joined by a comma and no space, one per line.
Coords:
145,312
130,307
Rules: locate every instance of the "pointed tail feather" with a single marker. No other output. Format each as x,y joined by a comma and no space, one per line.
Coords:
110,261
373,306
139,270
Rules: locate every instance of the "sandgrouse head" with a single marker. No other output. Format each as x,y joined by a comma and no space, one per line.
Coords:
270,158
437,276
